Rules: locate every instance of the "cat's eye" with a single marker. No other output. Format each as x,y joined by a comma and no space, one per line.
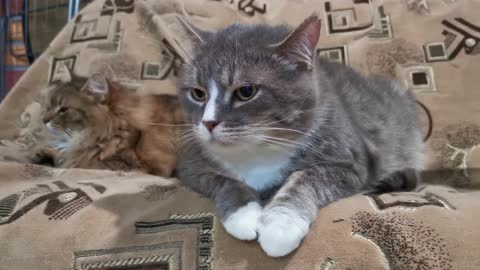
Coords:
63,110
198,94
246,92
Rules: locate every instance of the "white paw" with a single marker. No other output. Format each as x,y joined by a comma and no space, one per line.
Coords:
281,231
243,223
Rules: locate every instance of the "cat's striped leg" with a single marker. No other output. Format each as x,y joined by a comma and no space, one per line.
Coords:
286,219
237,204
238,207
243,222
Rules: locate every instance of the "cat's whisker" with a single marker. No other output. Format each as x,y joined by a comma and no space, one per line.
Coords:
266,122
280,129
185,138
165,45
275,146
279,142
184,132
180,62
291,115
272,145
281,139
322,141
182,137
270,124
258,138
235,133
298,144
240,133
191,142
170,48
180,145
168,125
157,42
266,128
325,109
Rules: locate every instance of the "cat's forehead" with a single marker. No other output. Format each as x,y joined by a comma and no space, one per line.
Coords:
227,68
58,93
223,73
240,35
232,50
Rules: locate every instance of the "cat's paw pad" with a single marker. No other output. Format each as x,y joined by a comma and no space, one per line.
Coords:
242,224
281,233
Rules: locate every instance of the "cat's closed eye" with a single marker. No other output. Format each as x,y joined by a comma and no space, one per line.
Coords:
198,94
246,92
63,110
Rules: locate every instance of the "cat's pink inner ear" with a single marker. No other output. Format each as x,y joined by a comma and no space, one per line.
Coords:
97,85
301,43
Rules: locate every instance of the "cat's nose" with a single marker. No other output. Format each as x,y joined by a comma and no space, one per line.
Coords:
210,125
47,117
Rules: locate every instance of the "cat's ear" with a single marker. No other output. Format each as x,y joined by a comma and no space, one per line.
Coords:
300,45
194,34
97,86
64,74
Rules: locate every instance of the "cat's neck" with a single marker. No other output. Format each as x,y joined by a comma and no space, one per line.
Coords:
260,165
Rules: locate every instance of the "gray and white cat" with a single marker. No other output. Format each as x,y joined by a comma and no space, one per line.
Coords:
277,133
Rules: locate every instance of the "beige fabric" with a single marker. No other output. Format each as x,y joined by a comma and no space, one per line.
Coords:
64,219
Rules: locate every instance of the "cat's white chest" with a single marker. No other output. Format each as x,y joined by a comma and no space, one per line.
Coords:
259,168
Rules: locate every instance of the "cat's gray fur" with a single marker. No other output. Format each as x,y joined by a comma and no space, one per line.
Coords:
334,132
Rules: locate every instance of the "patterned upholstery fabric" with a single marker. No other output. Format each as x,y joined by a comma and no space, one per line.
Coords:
86,219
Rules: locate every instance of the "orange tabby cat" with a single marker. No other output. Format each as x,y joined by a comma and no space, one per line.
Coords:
99,124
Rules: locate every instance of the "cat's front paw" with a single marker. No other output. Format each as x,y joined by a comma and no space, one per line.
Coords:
281,231
242,224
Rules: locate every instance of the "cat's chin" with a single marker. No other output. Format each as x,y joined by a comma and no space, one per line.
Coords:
225,145
218,141
221,143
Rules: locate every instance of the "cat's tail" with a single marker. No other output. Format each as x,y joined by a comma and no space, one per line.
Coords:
429,119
